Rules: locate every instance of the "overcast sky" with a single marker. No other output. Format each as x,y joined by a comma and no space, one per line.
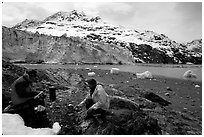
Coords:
181,22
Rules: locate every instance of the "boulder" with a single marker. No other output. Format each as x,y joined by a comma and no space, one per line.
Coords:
167,94
91,74
127,119
120,102
168,88
144,75
88,68
75,79
13,124
189,74
156,98
114,70
197,86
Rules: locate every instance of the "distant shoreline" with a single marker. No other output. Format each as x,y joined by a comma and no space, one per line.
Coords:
167,71
136,64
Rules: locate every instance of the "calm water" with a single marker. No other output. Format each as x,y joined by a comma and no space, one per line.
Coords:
173,71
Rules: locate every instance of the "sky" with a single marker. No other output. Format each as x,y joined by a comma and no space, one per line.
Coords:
180,21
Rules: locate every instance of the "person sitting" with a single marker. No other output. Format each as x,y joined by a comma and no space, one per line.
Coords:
97,102
26,102
22,90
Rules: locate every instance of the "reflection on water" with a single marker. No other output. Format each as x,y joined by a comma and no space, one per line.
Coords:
173,71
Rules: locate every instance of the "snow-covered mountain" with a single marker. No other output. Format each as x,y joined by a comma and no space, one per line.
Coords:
195,47
145,47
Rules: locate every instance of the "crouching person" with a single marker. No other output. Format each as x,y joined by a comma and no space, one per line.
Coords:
26,102
97,102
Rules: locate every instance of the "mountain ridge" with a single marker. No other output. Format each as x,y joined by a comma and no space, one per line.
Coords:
78,24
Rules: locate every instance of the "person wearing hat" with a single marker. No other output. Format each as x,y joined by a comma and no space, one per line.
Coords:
97,102
27,102
22,89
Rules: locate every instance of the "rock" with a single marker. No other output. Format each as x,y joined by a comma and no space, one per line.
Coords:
158,109
70,114
84,125
185,109
168,88
111,85
193,133
117,92
164,81
75,79
119,102
70,106
57,107
167,94
144,75
189,74
189,63
91,74
51,106
87,68
145,103
127,120
165,133
156,98
197,86
114,70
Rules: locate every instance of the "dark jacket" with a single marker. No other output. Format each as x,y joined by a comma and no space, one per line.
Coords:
21,90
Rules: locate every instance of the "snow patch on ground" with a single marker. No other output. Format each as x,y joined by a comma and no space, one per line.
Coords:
13,124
